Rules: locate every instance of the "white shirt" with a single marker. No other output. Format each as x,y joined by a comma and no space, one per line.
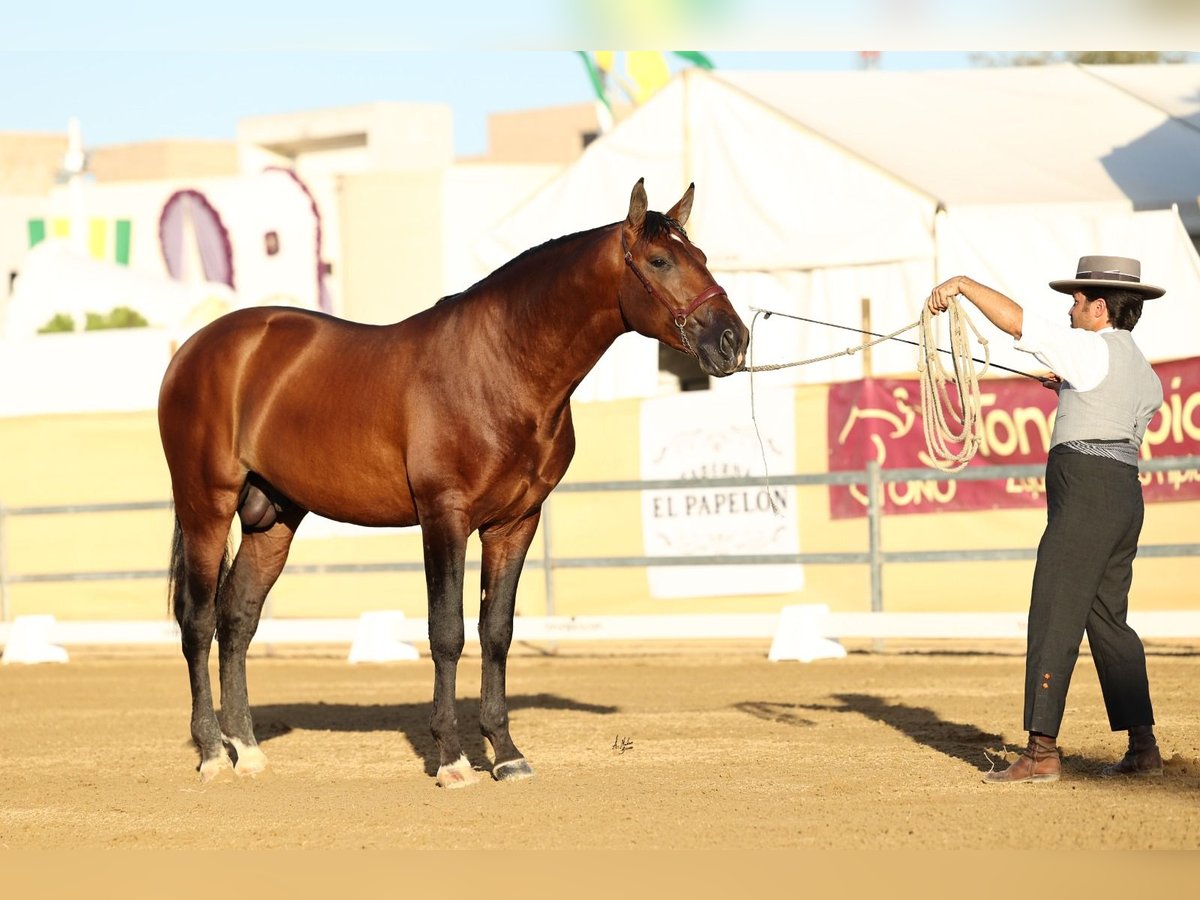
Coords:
1077,356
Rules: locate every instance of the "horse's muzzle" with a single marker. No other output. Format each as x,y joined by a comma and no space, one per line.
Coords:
721,349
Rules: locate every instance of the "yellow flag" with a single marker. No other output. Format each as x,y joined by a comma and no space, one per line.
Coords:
648,71
604,60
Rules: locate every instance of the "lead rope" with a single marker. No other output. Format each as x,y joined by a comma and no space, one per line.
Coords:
938,408
762,447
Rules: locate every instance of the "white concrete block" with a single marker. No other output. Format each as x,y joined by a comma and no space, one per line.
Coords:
29,642
800,635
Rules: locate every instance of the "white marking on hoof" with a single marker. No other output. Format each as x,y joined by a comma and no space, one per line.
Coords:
513,770
457,775
250,759
211,768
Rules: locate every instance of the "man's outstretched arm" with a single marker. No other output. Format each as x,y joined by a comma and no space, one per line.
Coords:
1000,310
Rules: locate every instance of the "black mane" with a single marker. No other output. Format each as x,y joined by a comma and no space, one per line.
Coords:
655,225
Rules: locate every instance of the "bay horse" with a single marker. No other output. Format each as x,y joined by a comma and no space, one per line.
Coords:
457,419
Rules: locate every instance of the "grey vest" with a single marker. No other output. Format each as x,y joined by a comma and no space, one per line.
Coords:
1119,407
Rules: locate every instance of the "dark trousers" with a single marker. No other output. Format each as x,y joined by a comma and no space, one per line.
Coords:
1081,583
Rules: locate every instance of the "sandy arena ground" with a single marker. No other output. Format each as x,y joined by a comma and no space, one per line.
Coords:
646,746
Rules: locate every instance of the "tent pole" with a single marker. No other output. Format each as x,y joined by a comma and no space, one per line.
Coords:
866,326
687,130
938,215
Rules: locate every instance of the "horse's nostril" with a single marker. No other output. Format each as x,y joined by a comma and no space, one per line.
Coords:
728,344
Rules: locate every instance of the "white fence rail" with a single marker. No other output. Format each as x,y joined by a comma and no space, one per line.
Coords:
877,624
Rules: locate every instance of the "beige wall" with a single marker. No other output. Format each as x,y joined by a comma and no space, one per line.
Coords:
391,244
108,458
551,135
29,163
155,160
366,137
408,238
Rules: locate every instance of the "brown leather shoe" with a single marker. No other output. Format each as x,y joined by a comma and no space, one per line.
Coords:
1141,759
1038,762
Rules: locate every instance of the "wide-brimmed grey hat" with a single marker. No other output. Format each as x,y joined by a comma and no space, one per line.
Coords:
1108,271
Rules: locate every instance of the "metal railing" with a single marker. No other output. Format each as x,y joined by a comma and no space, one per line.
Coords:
873,478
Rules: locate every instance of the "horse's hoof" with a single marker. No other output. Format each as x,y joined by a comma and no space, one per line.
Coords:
250,759
214,766
513,770
457,774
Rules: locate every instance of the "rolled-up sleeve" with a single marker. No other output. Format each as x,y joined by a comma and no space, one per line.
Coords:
1074,355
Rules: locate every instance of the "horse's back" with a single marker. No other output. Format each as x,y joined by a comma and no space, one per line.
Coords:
264,342
287,327
283,393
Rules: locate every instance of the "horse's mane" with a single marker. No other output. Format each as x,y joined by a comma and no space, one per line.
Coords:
533,251
654,225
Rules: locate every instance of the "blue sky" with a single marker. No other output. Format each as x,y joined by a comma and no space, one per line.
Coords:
138,95
154,70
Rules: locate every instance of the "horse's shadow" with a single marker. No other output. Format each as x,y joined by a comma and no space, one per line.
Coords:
409,719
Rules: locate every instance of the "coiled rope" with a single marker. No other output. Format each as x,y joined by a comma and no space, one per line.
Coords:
945,422
936,403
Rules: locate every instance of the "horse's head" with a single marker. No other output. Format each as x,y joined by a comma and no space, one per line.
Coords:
667,292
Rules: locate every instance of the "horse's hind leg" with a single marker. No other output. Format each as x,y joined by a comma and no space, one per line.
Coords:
503,557
203,554
259,560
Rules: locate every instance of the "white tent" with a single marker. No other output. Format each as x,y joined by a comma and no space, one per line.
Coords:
816,190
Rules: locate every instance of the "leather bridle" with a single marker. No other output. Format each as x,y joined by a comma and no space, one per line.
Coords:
679,313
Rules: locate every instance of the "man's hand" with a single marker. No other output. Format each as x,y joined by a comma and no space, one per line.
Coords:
1001,311
939,300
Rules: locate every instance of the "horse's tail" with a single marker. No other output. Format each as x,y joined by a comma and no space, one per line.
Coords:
177,574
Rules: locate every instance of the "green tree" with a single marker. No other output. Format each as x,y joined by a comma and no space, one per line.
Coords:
61,322
1079,57
119,317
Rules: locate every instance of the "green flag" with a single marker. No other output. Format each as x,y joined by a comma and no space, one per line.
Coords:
696,58
594,77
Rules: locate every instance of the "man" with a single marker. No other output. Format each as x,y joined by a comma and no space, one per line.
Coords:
1107,394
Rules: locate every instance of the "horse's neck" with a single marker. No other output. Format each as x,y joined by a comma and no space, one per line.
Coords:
563,301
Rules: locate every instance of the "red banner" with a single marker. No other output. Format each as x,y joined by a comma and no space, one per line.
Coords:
880,419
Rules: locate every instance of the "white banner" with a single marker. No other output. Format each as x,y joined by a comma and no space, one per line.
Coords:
703,434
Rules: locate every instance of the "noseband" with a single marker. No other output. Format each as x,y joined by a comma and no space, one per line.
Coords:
680,313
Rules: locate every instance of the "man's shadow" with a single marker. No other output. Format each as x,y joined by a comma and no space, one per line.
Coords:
958,740
409,719
924,726
981,749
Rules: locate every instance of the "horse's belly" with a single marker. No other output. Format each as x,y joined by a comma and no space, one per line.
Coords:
361,504
343,492
373,518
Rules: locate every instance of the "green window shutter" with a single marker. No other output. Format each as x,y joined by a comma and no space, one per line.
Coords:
121,238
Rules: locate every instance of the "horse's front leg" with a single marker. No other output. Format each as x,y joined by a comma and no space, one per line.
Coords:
445,540
504,552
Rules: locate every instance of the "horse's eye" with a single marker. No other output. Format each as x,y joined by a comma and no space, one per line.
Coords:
659,262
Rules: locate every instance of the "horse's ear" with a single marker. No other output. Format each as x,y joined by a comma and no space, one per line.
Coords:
681,210
637,207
